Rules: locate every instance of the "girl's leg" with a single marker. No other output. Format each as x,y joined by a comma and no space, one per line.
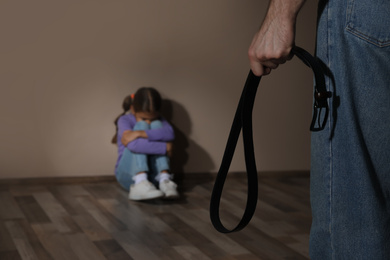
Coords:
160,171
158,163
132,163
129,165
162,176
142,189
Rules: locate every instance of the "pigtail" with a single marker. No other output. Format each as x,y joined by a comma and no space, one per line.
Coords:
126,105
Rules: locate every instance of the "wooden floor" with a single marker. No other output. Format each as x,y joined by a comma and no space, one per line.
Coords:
97,221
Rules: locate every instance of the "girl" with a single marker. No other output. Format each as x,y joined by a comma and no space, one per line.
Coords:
144,142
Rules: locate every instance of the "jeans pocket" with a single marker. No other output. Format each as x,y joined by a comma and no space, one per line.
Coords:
370,21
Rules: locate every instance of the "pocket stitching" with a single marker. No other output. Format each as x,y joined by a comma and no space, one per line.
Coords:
349,28
367,38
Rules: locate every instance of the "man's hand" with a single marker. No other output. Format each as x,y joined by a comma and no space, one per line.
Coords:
272,44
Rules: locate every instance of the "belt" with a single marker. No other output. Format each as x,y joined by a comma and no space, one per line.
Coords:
243,120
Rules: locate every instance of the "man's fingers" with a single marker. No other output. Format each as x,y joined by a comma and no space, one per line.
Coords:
270,64
267,71
257,68
262,65
260,70
290,56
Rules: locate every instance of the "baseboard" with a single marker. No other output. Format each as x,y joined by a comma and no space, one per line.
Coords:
57,180
261,174
301,173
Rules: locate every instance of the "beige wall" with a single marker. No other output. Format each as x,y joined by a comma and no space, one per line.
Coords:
66,66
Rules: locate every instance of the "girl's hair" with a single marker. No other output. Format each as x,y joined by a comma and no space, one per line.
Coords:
146,99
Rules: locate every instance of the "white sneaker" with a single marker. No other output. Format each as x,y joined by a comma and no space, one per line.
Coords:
169,188
144,190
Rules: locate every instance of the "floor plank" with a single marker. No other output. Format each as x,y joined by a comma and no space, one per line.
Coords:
32,210
12,210
20,240
112,250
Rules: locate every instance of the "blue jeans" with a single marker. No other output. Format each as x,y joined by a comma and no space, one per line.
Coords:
350,169
133,163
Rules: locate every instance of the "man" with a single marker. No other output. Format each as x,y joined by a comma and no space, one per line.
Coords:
350,168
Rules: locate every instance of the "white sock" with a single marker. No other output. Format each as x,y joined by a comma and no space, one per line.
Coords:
140,177
164,176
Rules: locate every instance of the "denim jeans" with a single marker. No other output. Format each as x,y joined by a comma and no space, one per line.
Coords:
133,163
350,168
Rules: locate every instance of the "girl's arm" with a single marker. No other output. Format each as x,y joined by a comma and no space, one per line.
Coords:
124,125
152,141
165,133
144,146
130,135
157,141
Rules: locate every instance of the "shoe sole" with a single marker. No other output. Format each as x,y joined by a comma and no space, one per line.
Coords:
149,197
171,196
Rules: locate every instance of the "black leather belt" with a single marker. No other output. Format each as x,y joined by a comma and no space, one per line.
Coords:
243,120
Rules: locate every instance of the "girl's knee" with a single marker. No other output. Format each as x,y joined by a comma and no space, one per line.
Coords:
141,125
156,124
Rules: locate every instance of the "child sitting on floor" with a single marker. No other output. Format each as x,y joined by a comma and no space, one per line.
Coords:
144,142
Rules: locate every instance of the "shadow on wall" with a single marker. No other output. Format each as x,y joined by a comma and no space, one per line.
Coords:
187,155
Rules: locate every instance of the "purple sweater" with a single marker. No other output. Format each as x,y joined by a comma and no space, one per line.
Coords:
154,144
